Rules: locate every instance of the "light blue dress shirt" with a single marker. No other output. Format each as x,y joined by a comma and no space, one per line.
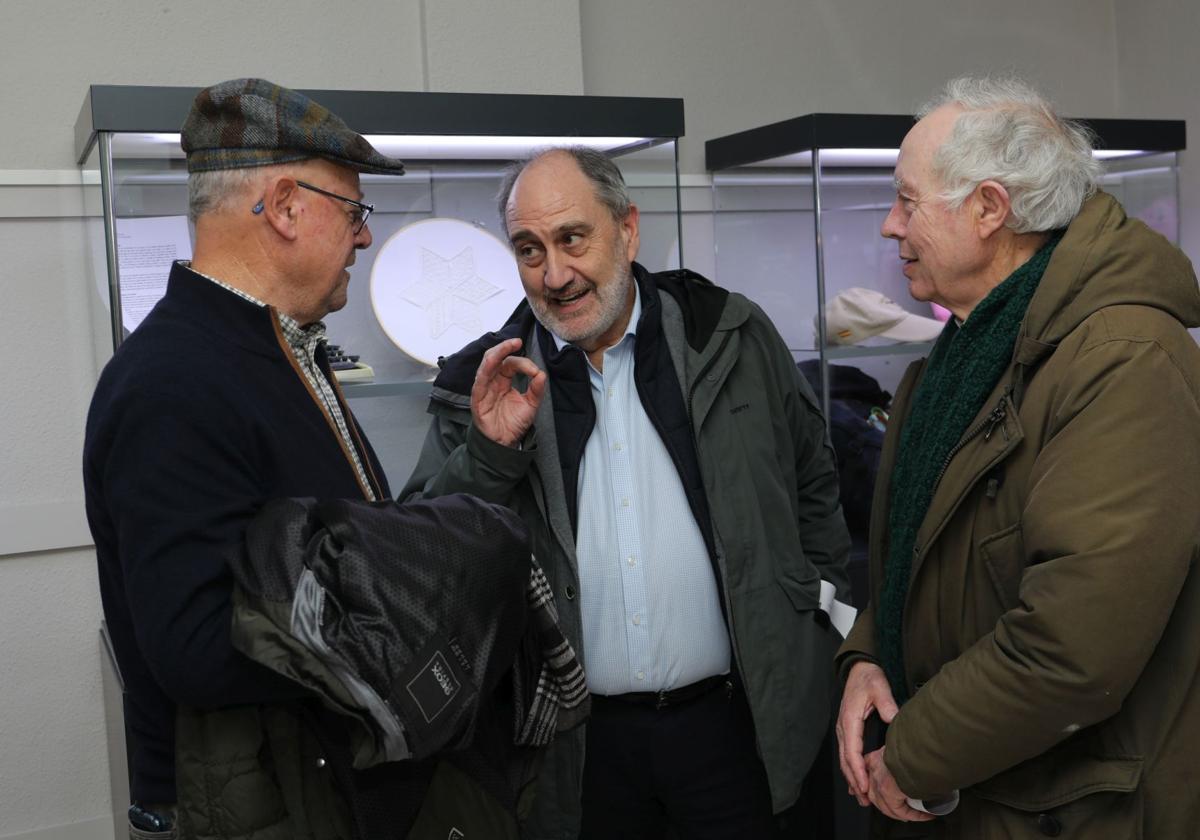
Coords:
651,609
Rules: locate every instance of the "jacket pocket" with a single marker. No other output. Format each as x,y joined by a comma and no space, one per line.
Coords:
1004,559
800,581
1079,797
227,776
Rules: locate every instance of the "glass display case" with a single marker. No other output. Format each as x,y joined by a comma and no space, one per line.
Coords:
798,207
437,274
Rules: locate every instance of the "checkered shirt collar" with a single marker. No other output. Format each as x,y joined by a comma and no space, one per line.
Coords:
300,339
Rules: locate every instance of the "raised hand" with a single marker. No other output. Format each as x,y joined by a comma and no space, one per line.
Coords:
499,410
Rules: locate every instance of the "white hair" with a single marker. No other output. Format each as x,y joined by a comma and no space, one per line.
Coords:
209,192
1009,133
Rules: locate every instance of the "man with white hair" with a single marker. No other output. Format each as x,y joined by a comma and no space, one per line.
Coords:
1033,638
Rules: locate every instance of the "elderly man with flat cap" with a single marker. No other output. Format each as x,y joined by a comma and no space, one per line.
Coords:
1033,637
223,399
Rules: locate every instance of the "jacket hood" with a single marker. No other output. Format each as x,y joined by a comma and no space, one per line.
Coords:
1107,259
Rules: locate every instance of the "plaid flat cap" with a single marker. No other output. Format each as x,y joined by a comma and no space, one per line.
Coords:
252,122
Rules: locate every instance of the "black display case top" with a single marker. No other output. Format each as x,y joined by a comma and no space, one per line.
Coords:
140,108
886,131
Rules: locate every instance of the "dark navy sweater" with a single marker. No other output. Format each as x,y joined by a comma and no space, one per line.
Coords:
197,421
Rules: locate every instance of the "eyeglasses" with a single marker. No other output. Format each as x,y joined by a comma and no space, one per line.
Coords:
361,213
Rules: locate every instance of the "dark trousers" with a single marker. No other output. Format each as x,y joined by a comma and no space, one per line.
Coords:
692,768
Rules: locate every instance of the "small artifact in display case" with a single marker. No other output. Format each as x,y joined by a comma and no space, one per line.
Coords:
857,314
347,368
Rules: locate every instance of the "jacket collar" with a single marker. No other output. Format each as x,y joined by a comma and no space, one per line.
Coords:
195,299
707,310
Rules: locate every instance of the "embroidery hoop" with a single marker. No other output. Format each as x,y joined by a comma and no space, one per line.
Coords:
439,283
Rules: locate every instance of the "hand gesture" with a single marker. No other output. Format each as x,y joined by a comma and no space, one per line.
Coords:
499,410
867,691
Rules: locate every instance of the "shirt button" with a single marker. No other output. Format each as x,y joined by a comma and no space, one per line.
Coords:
625,503
637,619
631,560
618,446
321,764
641,675
610,392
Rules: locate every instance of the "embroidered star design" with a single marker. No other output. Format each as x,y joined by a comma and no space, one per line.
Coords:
450,291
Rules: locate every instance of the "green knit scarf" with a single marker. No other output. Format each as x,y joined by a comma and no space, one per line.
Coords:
963,369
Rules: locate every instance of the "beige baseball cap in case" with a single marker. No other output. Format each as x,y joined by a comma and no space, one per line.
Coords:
857,314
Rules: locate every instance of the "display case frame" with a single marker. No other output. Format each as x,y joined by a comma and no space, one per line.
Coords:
454,145
816,144
114,113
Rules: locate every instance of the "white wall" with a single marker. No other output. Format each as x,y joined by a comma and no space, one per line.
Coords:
51,50
469,46
53,764
738,65
1158,62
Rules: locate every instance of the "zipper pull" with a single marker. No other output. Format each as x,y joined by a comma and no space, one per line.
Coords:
996,418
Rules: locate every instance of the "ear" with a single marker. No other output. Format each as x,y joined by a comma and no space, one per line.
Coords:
630,231
280,206
990,208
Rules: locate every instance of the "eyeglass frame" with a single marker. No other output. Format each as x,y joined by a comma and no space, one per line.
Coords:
362,207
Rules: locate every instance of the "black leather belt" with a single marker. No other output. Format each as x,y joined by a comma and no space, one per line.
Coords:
674,696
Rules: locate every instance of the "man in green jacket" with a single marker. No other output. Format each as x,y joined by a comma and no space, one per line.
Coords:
1033,638
675,473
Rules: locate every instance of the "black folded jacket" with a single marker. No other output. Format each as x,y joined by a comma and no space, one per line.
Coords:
403,617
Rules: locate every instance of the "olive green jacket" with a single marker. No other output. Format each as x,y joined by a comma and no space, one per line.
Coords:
227,791
1052,625
769,476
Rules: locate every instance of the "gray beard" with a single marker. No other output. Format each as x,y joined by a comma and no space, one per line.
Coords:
611,302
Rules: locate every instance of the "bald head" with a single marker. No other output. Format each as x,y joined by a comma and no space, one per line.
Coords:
602,174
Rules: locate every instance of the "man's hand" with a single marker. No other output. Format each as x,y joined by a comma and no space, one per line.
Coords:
499,410
886,795
867,691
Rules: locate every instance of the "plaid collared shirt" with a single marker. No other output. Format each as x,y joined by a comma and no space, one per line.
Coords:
303,343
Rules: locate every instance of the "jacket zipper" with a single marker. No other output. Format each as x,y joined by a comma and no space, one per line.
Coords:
364,481
987,426
727,606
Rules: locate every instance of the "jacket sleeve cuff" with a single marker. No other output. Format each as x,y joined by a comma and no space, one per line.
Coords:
846,661
505,463
859,645
894,758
